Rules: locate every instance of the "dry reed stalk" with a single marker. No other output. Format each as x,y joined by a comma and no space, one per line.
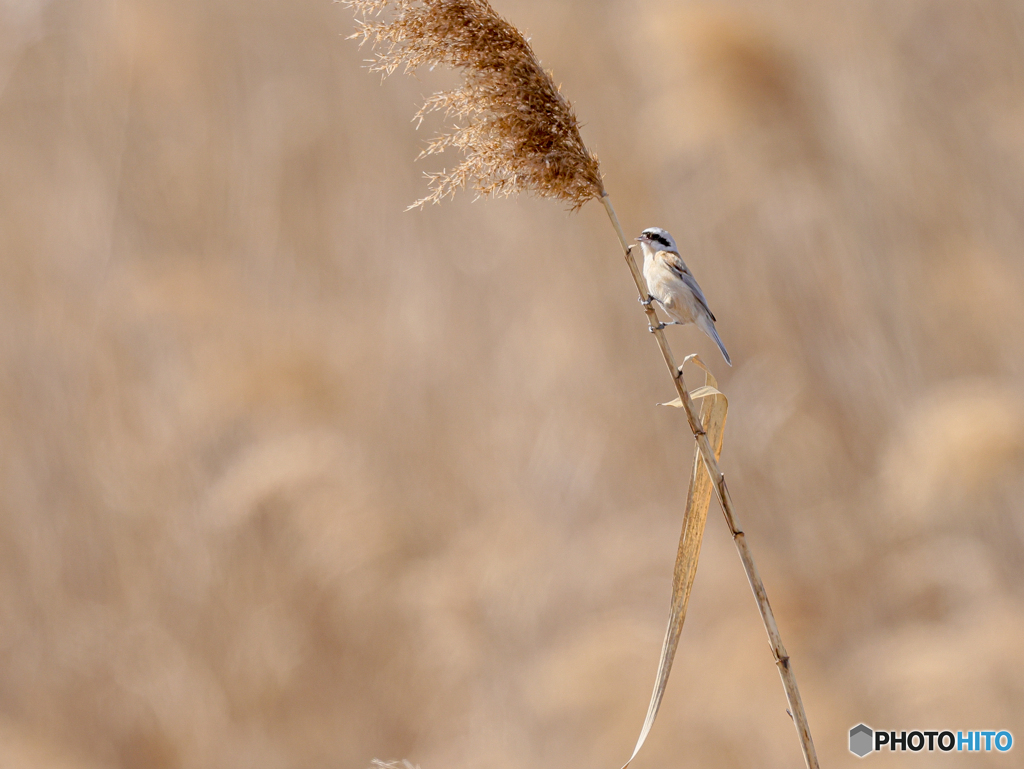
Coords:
521,135
796,705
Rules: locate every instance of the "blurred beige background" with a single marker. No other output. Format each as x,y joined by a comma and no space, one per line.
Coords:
290,477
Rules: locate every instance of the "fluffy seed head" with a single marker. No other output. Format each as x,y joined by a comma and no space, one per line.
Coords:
514,128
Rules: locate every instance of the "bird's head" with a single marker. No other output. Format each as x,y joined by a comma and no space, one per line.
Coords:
657,239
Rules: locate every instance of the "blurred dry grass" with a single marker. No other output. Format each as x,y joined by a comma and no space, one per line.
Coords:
291,478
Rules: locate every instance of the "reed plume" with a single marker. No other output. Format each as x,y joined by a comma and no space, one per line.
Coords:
514,128
521,134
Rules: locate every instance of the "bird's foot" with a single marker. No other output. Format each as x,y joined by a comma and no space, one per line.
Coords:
645,302
659,327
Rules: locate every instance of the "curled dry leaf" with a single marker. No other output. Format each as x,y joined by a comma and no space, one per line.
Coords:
695,516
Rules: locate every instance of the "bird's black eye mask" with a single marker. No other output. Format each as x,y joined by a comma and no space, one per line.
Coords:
659,239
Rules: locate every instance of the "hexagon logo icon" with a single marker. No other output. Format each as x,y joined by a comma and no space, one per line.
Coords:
861,740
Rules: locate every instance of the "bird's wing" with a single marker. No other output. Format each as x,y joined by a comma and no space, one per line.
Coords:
678,267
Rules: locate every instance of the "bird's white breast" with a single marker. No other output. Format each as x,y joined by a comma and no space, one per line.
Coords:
671,293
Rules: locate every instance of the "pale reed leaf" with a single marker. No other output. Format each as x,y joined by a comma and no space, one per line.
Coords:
704,392
698,498
697,394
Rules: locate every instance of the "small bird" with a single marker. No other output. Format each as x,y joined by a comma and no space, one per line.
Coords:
670,282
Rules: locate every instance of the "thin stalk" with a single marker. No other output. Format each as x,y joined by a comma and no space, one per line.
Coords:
796,705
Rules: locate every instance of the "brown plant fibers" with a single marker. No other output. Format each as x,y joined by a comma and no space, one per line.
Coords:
515,129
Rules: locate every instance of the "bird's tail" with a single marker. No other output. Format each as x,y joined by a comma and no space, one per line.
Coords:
708,327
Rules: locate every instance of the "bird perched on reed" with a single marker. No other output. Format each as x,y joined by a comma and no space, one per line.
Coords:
670,281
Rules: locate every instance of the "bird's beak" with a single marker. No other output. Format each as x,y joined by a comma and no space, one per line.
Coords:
639,240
